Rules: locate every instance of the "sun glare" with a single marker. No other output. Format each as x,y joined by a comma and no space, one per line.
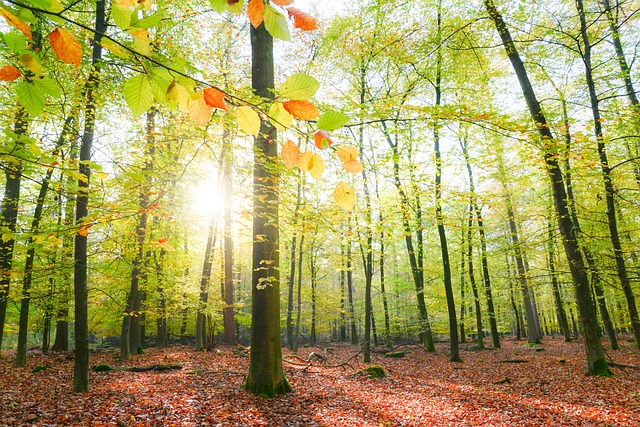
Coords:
206,198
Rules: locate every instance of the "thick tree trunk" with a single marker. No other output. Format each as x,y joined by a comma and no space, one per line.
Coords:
81,364
596,363
609,190
265,376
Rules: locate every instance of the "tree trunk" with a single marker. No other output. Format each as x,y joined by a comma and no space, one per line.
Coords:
292,263
472,282
609,190
201,317
560,312
81,364
314,285
299,296
229,308
265,376
596,363
343,299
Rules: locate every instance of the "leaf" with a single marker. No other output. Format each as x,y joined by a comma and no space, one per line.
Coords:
344,196
141,41
283,2
255,10
31,98
138,94
248,120
302,20
121,14
215,98
353,166
114,48
149,21
32,63
14,21
48,86
322,139
316,166
200,111
346,153
303,110
275,23
290,154
177,93
15,42
299,86
9,73
279,116
332,120
66,47
303,163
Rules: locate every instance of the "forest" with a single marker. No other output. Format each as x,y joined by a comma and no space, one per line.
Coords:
376,212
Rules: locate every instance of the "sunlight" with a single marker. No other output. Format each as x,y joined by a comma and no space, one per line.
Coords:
206,197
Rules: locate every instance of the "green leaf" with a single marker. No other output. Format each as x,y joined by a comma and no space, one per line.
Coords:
138,94
15,41
299,86
235,8
48,86
31,98
149,21
276,23
121,15
159,86
41,4
279,116
218,5
248,120
332,120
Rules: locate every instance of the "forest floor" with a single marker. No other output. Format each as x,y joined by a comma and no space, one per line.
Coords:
518,385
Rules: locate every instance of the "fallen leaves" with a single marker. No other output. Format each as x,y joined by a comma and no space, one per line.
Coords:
422,389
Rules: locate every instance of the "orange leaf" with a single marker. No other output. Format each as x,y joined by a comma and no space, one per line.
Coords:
302,20
283,2
199,111
163,240
215,98
346,153
14,21
303,163
322,139
255,10
303,110
65,46
9,73
290,154
353,166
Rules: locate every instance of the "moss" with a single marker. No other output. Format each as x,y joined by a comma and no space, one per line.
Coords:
40,368
267,390
373,371
395,354
601,369
455,358
102,367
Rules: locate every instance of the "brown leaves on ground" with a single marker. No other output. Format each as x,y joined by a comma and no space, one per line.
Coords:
421,389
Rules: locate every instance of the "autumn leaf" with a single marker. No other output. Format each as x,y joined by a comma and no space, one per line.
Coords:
200,111
255,10
303,110
279,116
9,73
303,163
283,2
299,86
215,98
141,41
30,61
248,120
316,166
164,242
302,20
65,46
14,21
346,153
344,196
353,166
322,139
290,154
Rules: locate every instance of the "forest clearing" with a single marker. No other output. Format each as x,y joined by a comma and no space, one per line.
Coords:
518,385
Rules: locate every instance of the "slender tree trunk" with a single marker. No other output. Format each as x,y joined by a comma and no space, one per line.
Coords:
23,328
463,337
343,299
560,312
299,296
383,291
514,306
472,282
352,311
292,264
81,364
609,190
314,285
596,363
205,278
229,308
265,376
162,334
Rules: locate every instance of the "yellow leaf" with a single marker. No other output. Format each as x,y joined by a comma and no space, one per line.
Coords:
178,93
316,166
101,175
200,111
353,166
140,41
114,48
303,163
290,154
248,120
279,116
65,46
255,10
303,110
31,62
14,21
346,153
344,196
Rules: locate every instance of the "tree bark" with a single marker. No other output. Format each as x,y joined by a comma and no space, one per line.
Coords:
560,312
